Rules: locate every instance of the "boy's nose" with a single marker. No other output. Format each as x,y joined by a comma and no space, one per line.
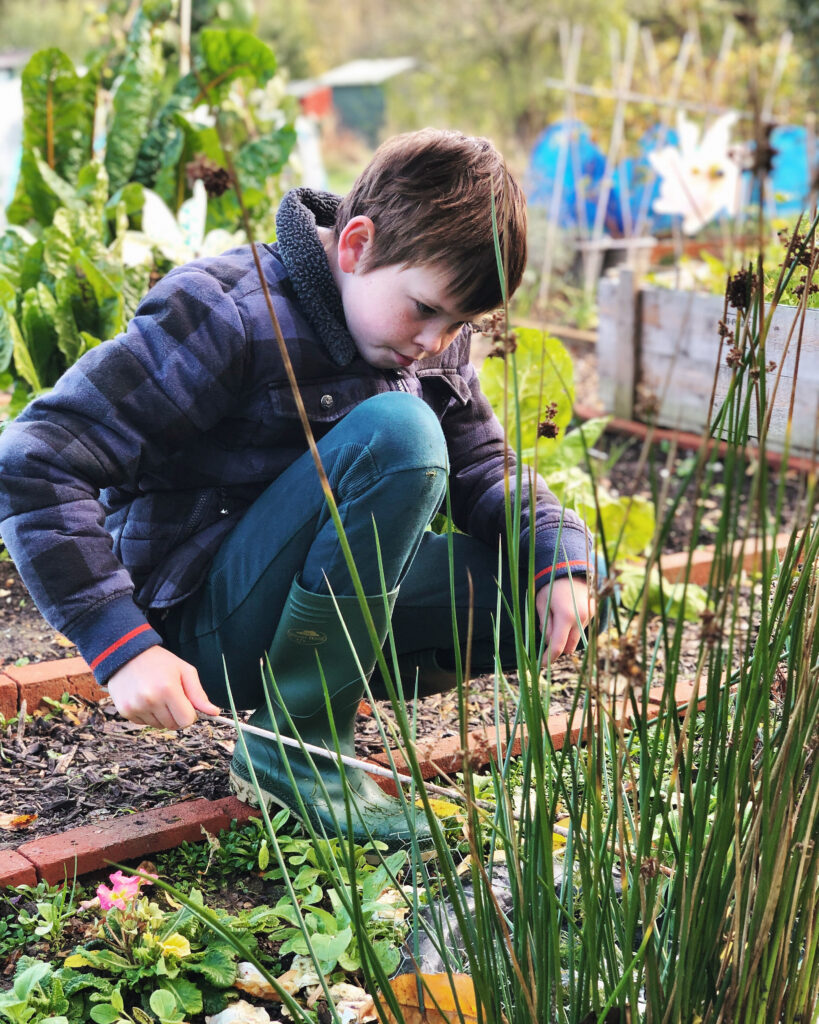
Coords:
431,339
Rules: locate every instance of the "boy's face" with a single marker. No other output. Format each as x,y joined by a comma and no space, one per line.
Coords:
395,314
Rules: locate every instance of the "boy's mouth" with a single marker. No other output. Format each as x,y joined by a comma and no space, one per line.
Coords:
403,360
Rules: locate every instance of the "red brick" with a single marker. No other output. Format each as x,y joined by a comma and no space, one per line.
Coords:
95,846
9,695
683,691
749,552
226,810
15,869
559,730
53,679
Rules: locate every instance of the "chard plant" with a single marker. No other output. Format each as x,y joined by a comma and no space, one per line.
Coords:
112,154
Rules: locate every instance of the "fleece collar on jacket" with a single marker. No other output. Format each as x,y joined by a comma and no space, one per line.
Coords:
301,211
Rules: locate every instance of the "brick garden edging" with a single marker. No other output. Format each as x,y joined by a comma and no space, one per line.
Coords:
92,847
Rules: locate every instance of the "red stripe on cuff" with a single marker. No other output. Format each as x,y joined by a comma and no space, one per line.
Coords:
119,643
562,565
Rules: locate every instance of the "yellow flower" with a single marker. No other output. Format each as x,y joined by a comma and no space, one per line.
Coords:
175,945
76,960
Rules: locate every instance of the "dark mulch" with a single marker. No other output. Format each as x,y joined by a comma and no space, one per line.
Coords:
82,763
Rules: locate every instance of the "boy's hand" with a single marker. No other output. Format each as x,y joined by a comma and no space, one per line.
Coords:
570,610
157,688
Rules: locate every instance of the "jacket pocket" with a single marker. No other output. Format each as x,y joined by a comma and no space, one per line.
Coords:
325,402
438,382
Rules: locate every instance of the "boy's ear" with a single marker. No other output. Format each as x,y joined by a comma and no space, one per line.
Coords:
354,242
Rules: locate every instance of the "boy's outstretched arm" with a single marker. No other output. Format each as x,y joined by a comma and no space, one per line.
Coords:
570,610
157,688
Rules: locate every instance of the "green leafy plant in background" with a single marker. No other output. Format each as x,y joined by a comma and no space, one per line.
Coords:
539,386
543,376
100,165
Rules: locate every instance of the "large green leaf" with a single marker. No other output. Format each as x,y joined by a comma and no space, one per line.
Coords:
92,189
630,521
328,948
23,363
40,331
259,159
140,77
165,136
8,308
68,336
14,244
33,268
192,140
132,196
109,301
670,599
188,996
218,966
40,191
544,373
58,121
571,449
228,54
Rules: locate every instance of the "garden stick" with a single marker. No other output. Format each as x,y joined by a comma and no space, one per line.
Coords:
354,762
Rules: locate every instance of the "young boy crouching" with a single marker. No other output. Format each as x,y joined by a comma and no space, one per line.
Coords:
164,511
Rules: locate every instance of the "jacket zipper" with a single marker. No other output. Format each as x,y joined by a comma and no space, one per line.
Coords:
398,377
197,512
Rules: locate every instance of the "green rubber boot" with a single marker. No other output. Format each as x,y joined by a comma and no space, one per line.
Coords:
310,623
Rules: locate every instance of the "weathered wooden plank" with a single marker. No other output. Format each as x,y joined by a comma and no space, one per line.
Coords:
676,347
619,346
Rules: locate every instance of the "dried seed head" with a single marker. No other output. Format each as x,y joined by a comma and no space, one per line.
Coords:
799,290
710,628
764,152
503,340
748,20
478,754
647,403
607,586
733,357
627,662
795,246
740,288
650,868
724,330
216,179
547,426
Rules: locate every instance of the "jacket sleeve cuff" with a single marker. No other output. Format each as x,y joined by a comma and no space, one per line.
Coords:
112,636
574,556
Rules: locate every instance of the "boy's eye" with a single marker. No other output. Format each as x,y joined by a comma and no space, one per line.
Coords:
424,309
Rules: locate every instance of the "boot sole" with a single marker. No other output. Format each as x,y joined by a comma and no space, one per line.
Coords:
247,793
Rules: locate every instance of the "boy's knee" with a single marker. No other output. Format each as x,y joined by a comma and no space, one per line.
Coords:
404,427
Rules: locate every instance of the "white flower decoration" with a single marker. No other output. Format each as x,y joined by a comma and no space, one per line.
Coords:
699,179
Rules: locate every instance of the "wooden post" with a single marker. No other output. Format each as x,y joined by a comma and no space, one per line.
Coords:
627,335
184,37
617,342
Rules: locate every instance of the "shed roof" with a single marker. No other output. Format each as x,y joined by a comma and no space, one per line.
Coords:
367,72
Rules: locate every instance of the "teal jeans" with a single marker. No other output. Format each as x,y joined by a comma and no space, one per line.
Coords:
387,465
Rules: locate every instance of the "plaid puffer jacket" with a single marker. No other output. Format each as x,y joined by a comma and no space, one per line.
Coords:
119,485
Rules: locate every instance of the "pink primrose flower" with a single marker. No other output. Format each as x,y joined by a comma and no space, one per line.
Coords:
124,888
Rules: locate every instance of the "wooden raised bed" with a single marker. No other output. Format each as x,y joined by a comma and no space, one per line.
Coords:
665,343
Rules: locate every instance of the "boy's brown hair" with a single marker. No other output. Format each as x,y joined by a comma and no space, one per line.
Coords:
429,195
